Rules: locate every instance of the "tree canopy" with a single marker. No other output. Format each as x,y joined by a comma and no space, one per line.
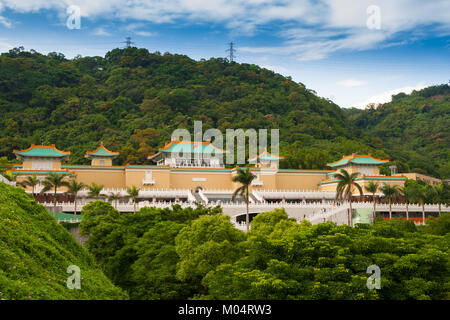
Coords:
197,253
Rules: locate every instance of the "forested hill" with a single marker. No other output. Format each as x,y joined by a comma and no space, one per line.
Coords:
414,129
132,100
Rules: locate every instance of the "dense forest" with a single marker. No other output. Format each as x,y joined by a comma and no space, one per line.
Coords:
414,129
132,100
197,253
35,253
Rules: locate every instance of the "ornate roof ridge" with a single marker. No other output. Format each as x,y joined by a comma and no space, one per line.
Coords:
100,147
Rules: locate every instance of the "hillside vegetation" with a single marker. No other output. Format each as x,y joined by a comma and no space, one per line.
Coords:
132,100
35,252
414,129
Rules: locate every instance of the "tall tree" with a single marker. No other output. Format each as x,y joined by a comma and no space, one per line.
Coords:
372,188
30,181
389,192
95,190
54,181
440,195
407,192
344,189
245,178
423,195
133,193
73,189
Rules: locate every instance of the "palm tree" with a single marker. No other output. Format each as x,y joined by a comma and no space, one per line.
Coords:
245,178
346,183
54,181
114,197
30,181
389,192
133,193
423,194
407,192
73,189
372,188
95,190
440,195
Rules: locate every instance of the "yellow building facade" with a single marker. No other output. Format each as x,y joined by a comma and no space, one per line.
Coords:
206,172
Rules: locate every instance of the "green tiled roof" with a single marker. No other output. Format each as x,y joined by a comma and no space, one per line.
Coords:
37,172
192,148
357,159
102,152
42,151
188,147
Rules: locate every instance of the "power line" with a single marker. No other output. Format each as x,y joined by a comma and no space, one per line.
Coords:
231,50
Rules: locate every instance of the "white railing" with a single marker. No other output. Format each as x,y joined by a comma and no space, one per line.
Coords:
189,163
70,220
143,192
218,191
297,194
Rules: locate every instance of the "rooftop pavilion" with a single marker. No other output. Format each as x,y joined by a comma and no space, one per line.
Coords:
266,160
101,156
189,154
363,164
42,157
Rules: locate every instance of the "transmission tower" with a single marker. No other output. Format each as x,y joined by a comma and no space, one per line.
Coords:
128,42
231,51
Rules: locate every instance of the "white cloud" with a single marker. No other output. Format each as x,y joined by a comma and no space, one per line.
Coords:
351,83
145,33
133,28
386,96
5,22
311,29
101,32
5,45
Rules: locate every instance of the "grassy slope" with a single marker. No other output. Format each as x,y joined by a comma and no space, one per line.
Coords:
35,252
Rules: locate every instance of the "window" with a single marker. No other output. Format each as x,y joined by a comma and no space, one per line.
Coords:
41,164
102,162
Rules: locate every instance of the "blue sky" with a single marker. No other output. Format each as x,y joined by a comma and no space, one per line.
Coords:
352,52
